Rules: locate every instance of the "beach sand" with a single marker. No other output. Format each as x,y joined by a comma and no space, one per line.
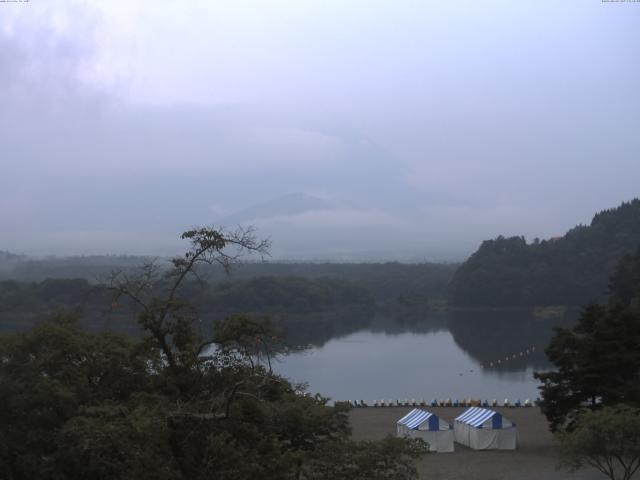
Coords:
535,458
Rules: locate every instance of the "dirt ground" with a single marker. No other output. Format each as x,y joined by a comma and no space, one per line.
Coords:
535,458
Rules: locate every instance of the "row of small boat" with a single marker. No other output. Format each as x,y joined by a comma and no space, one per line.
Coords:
445,403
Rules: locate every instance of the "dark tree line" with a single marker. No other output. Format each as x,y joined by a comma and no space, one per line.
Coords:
384,281
290,294
50,294
312,308
570,270
265,294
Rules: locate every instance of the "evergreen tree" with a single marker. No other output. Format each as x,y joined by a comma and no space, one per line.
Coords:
598,360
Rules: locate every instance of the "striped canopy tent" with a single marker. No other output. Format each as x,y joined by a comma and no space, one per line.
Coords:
429,427
484,429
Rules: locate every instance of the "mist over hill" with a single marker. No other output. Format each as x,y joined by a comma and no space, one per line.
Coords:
291,204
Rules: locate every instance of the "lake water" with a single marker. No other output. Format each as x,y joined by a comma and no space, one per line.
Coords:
482,355
368,365
471,357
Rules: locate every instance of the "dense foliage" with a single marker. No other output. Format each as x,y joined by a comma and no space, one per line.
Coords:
606,439
81,405
173,405
310,310
48,295
287,294
260,294
571,270
598,360
264,294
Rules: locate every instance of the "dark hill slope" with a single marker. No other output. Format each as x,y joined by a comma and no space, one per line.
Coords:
571,270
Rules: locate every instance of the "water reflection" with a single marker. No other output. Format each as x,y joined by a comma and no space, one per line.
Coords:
319,329
449,355
505,340
357,355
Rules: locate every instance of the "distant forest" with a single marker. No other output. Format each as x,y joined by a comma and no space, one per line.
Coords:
385,281
314,301
571,270
311,302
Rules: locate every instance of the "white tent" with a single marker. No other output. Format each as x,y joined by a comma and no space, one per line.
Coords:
484,429
429,427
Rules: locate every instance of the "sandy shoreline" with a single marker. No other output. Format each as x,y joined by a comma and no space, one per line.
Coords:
535,458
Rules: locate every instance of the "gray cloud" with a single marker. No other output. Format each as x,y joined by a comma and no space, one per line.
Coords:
426,126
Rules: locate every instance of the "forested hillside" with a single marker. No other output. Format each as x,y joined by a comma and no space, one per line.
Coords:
312,302
571,270
290,294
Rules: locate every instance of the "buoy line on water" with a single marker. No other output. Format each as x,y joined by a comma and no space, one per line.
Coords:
456,403
515,356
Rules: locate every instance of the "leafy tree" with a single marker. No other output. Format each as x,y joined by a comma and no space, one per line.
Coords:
607,439
156,294
48,375
391,458
115,441
175,405
256,341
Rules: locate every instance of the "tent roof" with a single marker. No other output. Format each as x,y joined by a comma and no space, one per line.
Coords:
475,416
415,418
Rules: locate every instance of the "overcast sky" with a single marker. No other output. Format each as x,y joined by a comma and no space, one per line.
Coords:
400,129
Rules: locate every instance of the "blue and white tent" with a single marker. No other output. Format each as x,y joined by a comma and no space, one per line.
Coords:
429,427
484,429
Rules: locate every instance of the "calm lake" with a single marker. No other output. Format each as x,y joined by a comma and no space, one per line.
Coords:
475,355
483,355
